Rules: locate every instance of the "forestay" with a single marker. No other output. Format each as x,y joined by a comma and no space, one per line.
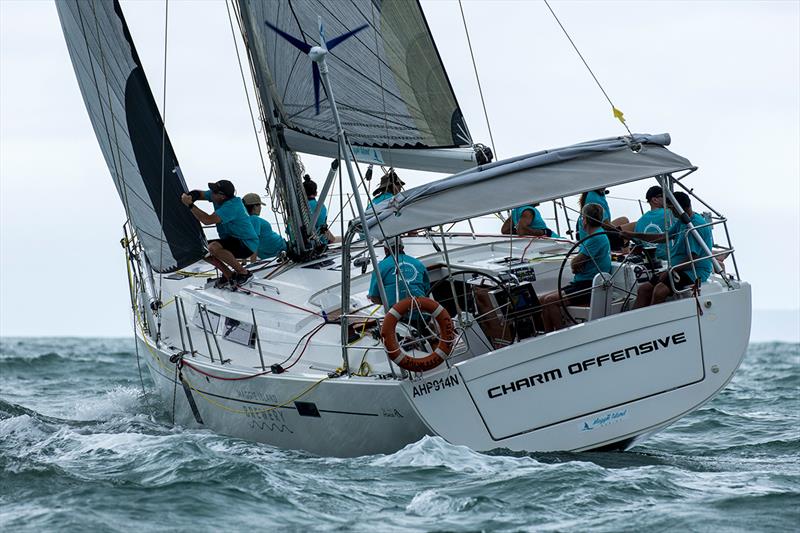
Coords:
391,88
130,131
535,177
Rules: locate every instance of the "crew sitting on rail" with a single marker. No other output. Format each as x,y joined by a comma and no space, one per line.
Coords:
594,256
526,220
390,185
237,238
598,197
321,225
684,248
655,221
413,276
270,244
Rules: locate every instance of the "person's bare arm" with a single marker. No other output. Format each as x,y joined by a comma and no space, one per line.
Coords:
198,213
579,262
505,229
523,226
375,299
648,237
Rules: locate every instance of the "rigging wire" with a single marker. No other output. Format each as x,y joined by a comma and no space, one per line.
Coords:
252,116
617,113
477,78
163,153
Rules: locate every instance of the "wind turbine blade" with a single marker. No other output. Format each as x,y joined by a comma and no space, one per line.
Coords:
315,69
336,40
297,43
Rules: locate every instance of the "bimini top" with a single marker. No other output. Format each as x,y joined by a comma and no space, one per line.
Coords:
535,177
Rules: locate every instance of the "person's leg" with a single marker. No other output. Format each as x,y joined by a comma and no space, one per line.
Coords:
551,311
213,248
226,257
644,295
620,221
660,293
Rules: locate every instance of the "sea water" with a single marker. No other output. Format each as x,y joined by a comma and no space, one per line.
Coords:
83,449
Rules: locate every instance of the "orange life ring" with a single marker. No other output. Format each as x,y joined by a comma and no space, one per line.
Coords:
396,353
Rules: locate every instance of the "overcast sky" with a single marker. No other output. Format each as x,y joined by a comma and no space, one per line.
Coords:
721,77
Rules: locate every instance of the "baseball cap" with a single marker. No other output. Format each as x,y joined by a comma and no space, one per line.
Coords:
223,186
653,192
252,198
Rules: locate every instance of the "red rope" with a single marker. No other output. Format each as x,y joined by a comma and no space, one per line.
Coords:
251,291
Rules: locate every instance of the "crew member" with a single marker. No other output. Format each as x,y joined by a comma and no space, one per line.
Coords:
237,238
598,197
594,257
321,224
684,248
270,244
657,220
413,276
526,220
390,185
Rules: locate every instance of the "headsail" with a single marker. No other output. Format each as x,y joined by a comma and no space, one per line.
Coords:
391,88
129,129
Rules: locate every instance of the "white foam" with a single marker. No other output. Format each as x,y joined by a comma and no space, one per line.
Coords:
115,402
431,502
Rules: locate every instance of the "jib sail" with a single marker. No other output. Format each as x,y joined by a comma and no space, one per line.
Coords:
130,131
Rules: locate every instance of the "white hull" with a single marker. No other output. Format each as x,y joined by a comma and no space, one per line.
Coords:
529,396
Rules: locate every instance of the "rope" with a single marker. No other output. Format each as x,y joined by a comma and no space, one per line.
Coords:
477,78
251,411
617,113
251,291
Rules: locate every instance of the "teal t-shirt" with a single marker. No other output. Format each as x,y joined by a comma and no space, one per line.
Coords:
234,221
594,197
414,273
382,198
684,245
322,219
598,250
270,243
537,222
653,222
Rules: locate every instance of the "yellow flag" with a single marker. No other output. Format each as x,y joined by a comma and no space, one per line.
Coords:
618,114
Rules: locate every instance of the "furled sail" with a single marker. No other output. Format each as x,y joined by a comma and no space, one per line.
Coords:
390,86
130,131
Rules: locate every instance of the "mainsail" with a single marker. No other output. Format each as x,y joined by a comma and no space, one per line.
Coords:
131,132
391,88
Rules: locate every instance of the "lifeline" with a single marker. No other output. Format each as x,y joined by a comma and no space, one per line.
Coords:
582,366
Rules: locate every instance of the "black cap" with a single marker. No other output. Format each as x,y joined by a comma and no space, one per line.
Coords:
223,186
654,192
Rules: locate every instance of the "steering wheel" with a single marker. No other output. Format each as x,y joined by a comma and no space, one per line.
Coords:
607,283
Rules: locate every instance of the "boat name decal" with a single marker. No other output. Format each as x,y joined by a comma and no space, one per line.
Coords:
435,385
586,365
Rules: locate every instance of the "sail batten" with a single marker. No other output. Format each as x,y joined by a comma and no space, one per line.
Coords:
391,87
130,131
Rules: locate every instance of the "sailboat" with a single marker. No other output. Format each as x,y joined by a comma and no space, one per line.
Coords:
300,357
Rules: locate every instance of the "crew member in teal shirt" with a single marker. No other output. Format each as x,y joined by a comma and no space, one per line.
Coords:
526,220
237,238
594,257
321,224
389,186
414,277
270,244
657,220
684,248
598,197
